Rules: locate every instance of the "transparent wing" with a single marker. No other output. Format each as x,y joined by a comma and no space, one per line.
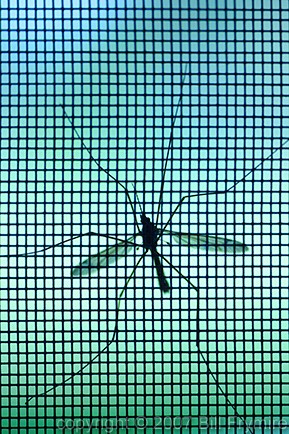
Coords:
209,243
104,258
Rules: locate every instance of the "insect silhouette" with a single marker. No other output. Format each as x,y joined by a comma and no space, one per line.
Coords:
150,235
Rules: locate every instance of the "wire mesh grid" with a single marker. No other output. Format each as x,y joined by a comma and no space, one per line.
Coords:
112,75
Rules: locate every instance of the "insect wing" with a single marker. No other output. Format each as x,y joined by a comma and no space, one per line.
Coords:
104,258
209,243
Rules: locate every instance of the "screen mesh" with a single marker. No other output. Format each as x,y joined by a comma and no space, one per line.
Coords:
110,110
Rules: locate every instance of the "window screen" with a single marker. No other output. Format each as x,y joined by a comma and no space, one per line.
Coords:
176,110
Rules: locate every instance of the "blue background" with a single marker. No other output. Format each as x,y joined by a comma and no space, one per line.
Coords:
117,68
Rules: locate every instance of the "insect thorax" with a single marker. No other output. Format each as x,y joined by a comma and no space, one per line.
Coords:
149,233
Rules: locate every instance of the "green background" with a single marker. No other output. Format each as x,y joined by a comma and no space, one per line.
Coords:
117,68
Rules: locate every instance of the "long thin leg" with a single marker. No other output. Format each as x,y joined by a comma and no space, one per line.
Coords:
208,193
111,340
213,375
75,238
198,298
171,139
198,293
102,168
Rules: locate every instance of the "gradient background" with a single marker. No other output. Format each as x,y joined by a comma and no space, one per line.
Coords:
117,69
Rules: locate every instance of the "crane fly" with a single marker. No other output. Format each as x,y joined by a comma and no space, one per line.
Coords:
150,234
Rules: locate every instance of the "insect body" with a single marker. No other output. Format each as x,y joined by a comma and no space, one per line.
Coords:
151,234
106,257
150,238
